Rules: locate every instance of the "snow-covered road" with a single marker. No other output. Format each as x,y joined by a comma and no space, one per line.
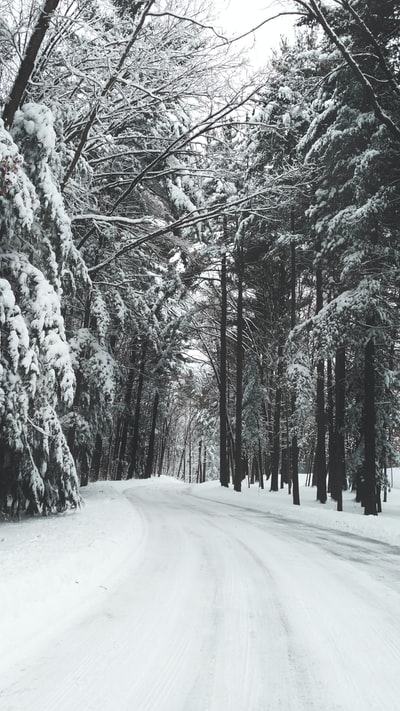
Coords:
223,607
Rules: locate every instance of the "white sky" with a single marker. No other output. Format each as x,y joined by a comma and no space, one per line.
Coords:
239,16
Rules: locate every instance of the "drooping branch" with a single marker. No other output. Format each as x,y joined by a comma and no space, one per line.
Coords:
190,219
382,61
317,13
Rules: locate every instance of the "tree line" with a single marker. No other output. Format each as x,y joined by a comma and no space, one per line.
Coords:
200,269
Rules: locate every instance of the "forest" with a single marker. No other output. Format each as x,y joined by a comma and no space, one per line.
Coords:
199,263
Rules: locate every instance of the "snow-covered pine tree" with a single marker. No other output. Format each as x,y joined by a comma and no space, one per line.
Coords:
354,213
37,470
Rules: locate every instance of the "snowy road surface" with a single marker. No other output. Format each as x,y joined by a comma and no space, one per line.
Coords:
223,608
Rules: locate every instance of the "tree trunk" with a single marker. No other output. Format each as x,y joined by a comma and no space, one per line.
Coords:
369,430
28,62
135,435
150,452
96,458
332,464
223,457
199,464
163,444
260,466
122,436
239,374
276,440
204,464
340,397
320,456
294,449
190,453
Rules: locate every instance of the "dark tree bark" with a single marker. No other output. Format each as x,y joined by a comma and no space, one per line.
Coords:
199,463
122,435
150,452
332,464
294,449
28,62
223,457
190,453
204,464
276,440
285,466
320,455
239,373
260,466
163,444
340,398
96,458
136,422
276,433
369,493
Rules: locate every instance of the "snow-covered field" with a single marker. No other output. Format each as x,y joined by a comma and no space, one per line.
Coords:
160,596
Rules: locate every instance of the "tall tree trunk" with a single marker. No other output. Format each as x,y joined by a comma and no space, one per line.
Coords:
370,507
163,444
150,452
239,373
276,434
122,435
260,466
276,440
340,398
28,62
223,456
96,458
320,455
199,464
190,453
294,449
204,464
136,422
332,464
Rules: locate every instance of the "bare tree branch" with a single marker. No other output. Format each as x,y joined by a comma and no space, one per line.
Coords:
109,84
190,219
192,22
265,22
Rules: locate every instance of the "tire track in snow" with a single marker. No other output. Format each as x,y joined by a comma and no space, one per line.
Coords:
343,621
251,632
221,611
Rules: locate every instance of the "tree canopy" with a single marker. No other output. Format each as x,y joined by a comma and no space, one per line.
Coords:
199,267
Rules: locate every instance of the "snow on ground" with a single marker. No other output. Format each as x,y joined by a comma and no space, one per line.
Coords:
53,567
385,527
162,596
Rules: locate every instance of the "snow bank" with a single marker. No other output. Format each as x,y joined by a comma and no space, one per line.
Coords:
385,527
53,569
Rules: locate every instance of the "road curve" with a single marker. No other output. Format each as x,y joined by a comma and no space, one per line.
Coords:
224,608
